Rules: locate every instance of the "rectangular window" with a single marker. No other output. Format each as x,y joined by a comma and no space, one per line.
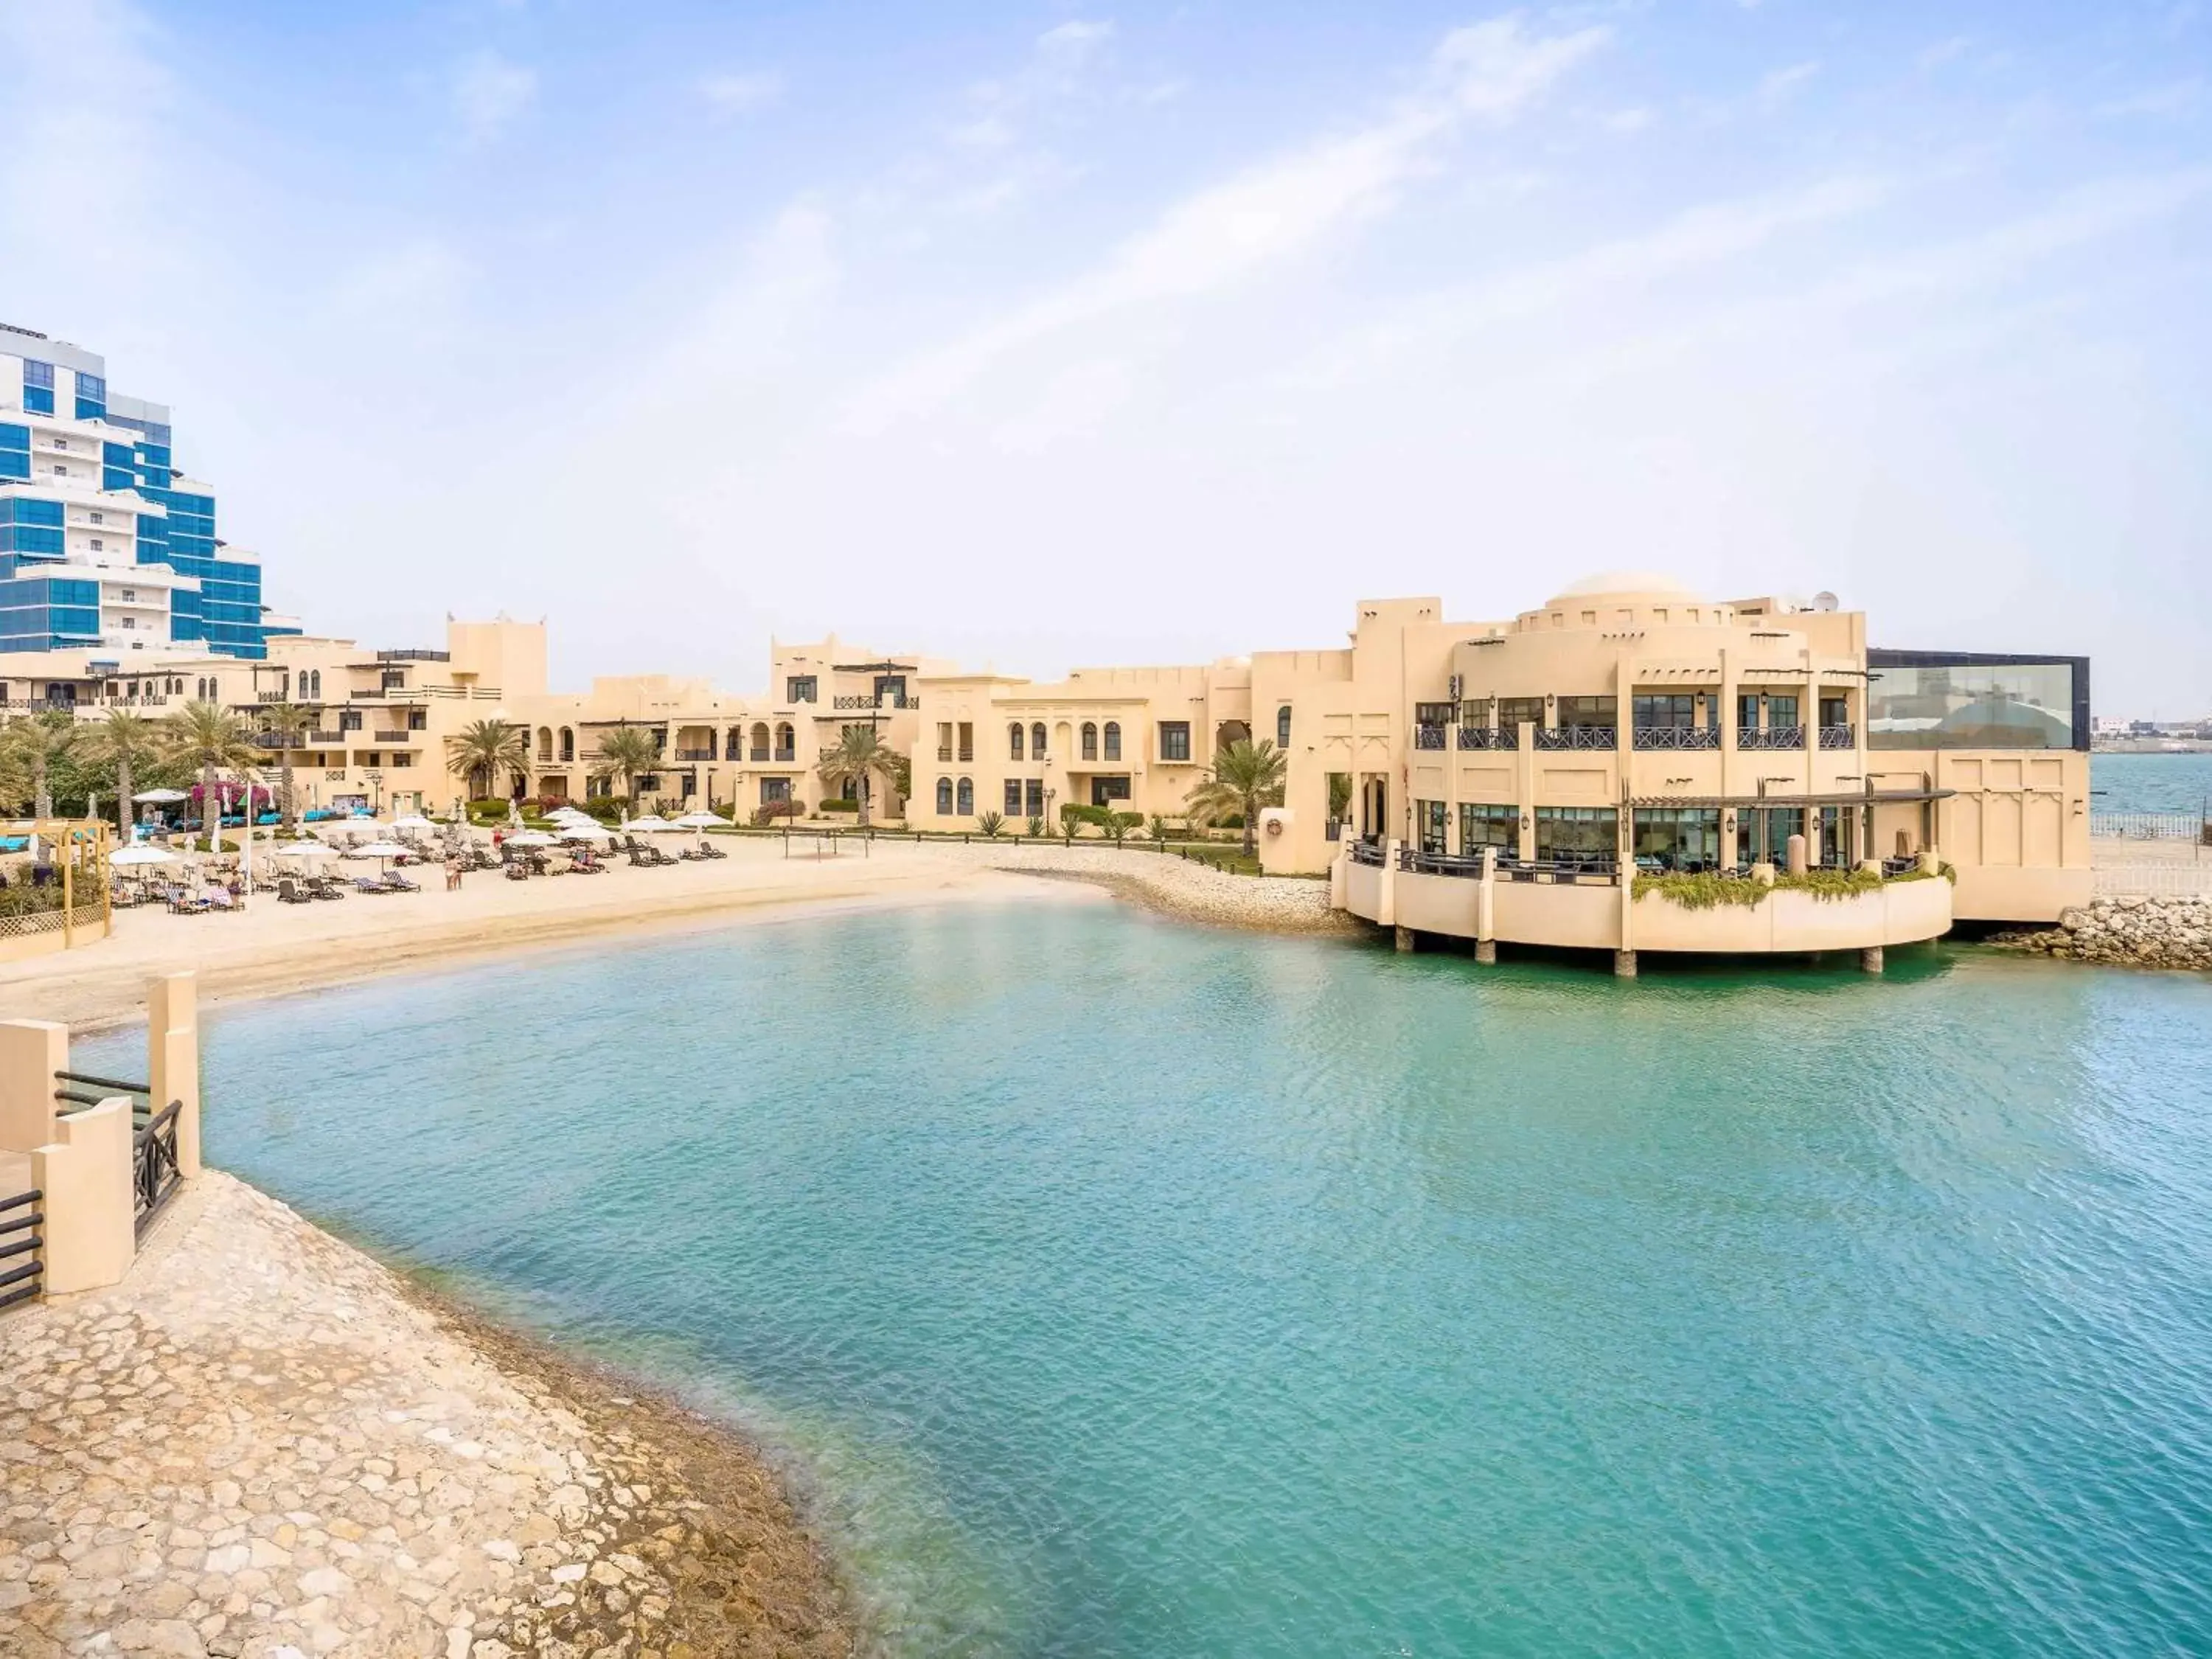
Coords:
1834,711
775,791
1113,740
1781,711
1678,838
1482,825
1035,789
1664,711
38,388
1919,700
1175,740
1746,711
1104,792
1432,714
1584,712
1512,712
799,688
967,741
1431,818
1584,836
1762,834
1013,798
945,740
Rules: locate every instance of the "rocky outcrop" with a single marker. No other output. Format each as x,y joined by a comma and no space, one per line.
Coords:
2137,933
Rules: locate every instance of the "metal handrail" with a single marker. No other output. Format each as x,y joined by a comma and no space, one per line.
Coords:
1485,736
1428,737
1367,853
1578,736
1774,737
1839,737
1678,736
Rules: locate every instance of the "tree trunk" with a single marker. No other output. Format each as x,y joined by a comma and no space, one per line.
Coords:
42,801
210,809
1251,811
122,796
291,812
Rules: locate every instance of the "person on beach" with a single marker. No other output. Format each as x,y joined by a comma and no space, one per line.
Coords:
453,873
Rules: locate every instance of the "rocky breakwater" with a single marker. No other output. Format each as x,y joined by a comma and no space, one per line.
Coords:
2132,932
264,1444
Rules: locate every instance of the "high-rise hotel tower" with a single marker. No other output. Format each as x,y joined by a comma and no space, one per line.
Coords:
104,543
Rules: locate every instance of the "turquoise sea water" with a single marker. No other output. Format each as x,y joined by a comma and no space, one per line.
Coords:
2150,783
1121,1288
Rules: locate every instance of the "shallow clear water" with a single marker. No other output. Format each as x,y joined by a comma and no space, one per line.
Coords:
1128,1289
2150,783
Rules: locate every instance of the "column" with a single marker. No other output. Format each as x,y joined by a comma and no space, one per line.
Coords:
85,1172
1485,909
173,1060
31,1052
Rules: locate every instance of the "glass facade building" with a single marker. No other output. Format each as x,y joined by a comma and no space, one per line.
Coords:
220,607
1974,700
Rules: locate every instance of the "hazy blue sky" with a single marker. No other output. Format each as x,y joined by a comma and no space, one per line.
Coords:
1037,334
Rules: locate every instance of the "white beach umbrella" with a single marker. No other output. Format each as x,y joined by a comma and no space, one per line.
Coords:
159,797
377,849
530,838
702,821
133,856
304,850
585,832
414,823
653,824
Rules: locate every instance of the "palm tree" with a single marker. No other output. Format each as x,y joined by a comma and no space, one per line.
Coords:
1245,776
285,722
37,743
482,751
628,752
126,741
206,737
861,754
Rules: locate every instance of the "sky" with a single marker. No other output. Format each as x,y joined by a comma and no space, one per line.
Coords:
1036,335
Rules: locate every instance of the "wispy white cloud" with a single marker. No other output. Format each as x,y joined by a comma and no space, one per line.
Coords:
731,93
2175,99
490,93
1229,232
1936,54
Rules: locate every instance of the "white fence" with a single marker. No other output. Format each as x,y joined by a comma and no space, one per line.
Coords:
2153,880
2150,826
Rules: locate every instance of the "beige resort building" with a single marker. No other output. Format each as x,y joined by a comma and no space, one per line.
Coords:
1493,779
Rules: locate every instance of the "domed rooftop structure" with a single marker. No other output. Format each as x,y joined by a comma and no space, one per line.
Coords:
1642,584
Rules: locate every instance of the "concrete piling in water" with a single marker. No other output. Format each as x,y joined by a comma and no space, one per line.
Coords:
1485,949
1623,964
1403,937
1871,959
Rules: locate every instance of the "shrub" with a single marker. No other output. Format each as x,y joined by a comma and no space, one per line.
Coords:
25,899
1158,828
1037,828
843,803
764,815
1709,888
991,823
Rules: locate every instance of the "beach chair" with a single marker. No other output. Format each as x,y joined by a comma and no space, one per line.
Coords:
368,885
395,882
287,892
517,872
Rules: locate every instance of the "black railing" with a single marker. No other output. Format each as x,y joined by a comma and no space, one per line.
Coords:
786,755
1565,871
1893,867
1368,853
1417,862
106,1087
1484,737
414,656
157,1174
888,700
1678,736
22,1248
694,754
1839,737
1428,737
1578,736
1774,737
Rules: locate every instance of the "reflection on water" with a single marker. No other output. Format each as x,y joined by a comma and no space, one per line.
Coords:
1125,1289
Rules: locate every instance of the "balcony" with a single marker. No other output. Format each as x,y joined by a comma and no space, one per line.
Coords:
1578,736
786,755
1484,737
694,754
1774,737
1839,737
1428,737
888,700
399,736
329,739
1678,736
944,752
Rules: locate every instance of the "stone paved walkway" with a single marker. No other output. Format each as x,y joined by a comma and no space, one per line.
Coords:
259,1446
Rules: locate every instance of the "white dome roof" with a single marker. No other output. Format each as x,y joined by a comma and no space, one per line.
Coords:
1610,583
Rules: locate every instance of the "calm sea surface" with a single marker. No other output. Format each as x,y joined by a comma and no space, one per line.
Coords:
2150,783
1121,1288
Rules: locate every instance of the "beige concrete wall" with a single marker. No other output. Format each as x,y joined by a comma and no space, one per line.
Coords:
85,1172
31,1052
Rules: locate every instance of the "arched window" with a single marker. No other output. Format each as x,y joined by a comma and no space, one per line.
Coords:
1037,741
1283,726
1014,741
786,742
1090,741
546,743
759,740
568,742
944,797
1113,739
966,798
733,745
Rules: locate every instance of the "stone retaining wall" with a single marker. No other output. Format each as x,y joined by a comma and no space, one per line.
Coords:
2138,932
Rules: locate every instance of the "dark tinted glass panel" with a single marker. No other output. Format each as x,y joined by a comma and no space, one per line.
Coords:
1962,706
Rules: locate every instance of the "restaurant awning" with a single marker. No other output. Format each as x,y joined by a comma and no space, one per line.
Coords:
1831,798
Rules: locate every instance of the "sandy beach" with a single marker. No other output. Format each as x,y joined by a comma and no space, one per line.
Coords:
273,949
